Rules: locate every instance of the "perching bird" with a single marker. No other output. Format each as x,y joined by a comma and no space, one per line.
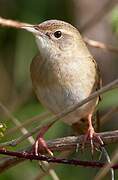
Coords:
64,73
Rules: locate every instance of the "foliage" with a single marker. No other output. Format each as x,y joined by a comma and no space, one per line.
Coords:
2,129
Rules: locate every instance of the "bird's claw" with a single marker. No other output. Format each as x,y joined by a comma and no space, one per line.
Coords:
95,140
40,145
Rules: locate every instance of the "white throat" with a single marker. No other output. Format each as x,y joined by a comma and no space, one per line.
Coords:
42,45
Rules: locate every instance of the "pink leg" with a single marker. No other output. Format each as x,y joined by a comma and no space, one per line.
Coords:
92,135
40,143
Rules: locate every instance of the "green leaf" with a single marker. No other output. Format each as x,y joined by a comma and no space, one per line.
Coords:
3,128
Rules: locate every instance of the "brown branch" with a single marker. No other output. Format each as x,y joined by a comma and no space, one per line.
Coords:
31,156
63,144
68,143
45,165
42,174
12,23
98,44
46,114
30,139
52,120
71,142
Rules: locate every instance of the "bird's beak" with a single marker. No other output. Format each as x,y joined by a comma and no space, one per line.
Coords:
33,29
29,28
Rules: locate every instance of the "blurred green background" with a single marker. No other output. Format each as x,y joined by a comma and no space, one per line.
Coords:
17,48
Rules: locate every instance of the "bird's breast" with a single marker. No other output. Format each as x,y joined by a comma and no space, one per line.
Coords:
59,85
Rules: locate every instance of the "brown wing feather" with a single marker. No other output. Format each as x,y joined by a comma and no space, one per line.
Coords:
99,85
81,127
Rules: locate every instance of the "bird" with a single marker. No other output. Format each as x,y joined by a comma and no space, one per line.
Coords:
63,74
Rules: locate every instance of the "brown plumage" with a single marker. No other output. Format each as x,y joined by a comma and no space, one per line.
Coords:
64,73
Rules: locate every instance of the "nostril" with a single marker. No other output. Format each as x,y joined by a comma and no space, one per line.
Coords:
36,27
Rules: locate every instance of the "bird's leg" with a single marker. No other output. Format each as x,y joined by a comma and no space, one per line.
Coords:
91,135
90,132
40,143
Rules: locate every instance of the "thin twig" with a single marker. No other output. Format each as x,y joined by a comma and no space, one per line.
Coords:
27,122
65,144
16,122
52,120
71,142
31,156
12,23
98,44
18,25
24,131
64,154
93,43
105,118
107,167
105,153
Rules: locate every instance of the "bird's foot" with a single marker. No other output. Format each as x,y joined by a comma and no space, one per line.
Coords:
40,144
95,140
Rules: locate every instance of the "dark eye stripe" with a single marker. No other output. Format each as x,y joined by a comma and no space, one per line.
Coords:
47,34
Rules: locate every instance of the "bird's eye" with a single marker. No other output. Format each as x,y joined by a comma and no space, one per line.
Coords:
57,34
